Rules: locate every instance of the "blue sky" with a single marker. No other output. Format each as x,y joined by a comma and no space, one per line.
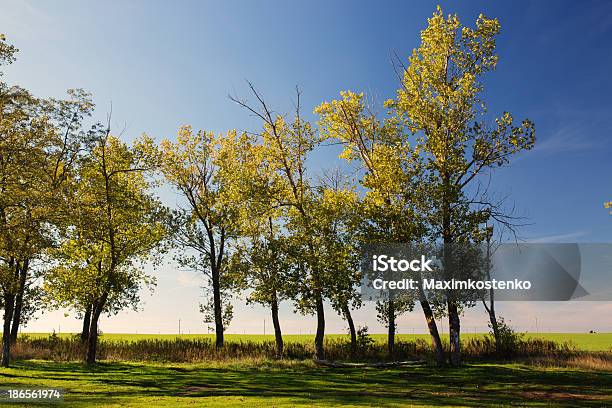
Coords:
164,64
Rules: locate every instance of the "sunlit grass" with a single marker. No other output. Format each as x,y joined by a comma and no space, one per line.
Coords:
582,341
300,383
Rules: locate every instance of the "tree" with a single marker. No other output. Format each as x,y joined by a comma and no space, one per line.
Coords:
394,201
57,155
440,101
19,123
117,228
337,221
39,141
25,136
387,313
285,145
204,231
488,268
33,168
260,260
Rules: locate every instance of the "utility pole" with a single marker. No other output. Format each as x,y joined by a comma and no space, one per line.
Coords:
264,327
179,326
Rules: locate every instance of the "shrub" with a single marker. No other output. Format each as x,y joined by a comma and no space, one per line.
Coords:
509,340
364,340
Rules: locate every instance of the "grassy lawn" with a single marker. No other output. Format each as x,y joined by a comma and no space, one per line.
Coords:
583,341
277,384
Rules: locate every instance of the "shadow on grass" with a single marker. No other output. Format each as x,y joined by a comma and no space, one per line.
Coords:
474,385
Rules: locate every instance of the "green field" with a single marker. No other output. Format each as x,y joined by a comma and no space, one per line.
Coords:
256,381
290,383
583,341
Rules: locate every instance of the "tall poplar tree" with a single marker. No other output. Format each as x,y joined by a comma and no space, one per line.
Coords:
286,143
205,229
392,175
441,102
260,258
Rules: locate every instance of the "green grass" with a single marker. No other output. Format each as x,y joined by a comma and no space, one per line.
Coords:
287,383
583,341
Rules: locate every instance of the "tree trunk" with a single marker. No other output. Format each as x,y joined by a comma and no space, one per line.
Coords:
217,308
278,335
495,328
454,329
391,328
86,323
92,339
436,342
23,273
9,303
491,307
347,315
320,336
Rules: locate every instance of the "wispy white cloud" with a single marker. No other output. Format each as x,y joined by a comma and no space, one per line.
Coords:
567,139
558,237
